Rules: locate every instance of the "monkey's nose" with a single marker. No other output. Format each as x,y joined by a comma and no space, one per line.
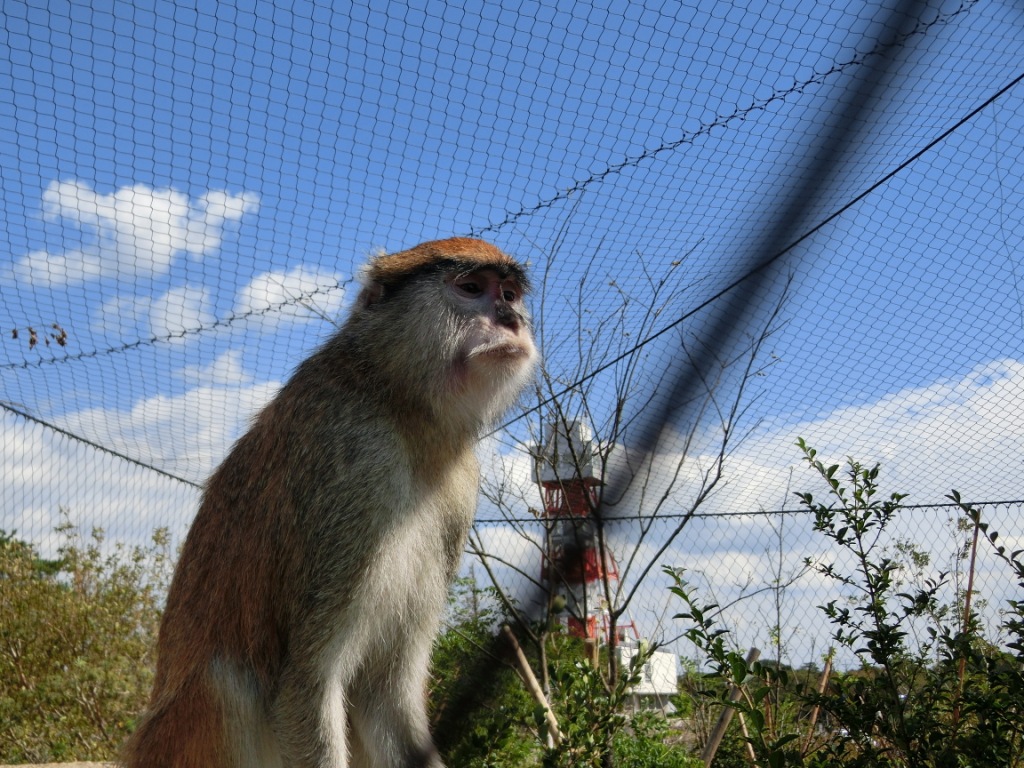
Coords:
506,316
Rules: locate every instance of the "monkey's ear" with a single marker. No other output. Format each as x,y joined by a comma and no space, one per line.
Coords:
370,294
372,291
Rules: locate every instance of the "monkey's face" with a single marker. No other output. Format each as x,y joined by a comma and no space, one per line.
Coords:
495,346
444,325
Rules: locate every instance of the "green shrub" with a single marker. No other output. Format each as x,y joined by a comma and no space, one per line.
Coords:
480,713
597,729
947,699
77,636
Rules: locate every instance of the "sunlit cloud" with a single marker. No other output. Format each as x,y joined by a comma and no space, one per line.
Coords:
134,232
928,440
226,371
45,473
182,309
300,294
186,435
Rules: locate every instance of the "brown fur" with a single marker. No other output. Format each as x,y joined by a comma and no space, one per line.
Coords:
299,621
393,268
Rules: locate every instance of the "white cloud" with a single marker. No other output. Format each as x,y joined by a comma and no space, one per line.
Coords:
507,481
966,434
119,317
136,231
71,266
186,435
226,371
206,221
186,308
302,293
44,472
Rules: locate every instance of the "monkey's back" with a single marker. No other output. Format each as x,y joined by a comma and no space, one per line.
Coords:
313,501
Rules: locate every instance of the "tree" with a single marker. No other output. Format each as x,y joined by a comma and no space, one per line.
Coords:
77,635
640,500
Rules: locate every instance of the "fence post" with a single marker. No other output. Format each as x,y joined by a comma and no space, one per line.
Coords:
523,667
718,732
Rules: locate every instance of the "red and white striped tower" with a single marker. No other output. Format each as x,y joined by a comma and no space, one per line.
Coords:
568,470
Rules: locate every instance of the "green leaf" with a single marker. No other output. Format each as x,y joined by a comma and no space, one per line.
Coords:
739,668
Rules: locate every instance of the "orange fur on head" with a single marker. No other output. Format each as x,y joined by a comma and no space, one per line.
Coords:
391,269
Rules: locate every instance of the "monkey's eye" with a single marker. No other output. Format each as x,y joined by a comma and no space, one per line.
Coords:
469,287
508,295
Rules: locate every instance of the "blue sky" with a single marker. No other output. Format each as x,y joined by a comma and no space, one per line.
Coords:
188,192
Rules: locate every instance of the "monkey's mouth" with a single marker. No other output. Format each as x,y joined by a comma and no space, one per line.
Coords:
499,350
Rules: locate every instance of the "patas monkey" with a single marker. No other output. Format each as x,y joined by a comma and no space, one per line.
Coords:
299,622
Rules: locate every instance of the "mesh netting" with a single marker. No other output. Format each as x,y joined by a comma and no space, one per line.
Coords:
187,195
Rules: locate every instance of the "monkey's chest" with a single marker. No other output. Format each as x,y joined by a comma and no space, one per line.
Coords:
411,566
